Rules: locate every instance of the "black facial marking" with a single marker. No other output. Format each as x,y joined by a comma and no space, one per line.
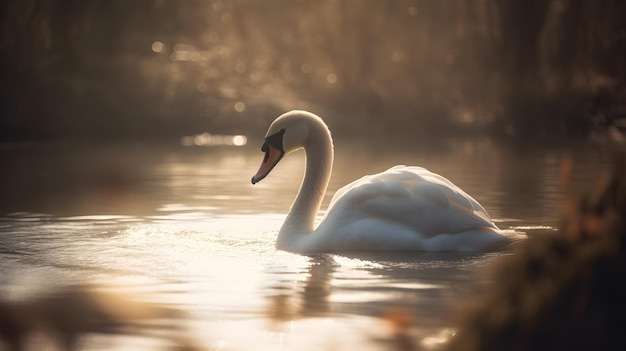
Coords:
276,140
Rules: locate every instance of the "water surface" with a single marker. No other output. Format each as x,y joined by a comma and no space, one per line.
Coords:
183,227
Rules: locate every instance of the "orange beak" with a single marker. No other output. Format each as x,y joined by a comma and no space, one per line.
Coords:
272,156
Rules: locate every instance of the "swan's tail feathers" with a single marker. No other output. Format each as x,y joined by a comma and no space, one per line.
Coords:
510,240
514,237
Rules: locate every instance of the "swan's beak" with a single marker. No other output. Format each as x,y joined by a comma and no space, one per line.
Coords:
272,156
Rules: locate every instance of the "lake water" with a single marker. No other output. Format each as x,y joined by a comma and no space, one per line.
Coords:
182,227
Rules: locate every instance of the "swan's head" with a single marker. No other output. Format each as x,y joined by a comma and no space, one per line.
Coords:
289,132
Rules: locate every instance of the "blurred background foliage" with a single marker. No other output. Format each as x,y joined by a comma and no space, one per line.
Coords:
166,68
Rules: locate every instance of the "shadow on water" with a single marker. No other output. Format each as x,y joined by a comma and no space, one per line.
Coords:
66,316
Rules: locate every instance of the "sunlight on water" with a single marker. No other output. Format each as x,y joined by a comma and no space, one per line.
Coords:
207,139
223,271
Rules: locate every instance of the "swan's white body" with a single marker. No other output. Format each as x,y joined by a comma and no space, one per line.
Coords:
402,208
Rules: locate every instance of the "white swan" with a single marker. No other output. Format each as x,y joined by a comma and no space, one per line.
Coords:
402,208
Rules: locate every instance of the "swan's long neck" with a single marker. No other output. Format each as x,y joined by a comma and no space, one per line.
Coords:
319,162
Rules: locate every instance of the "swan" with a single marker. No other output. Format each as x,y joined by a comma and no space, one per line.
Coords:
401,209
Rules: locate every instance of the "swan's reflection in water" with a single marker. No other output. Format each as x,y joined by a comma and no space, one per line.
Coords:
310,299
408,299
317,288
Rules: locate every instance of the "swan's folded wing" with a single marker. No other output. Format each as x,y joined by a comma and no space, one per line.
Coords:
413,197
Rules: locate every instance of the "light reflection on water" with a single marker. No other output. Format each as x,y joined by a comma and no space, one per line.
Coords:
184,228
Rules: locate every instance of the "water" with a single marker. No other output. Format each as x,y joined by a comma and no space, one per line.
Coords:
183,228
